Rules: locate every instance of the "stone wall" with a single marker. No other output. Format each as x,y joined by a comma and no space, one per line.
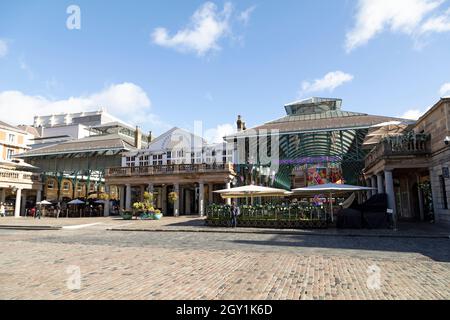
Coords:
439,162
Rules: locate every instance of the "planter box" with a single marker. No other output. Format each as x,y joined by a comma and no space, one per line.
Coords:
275,224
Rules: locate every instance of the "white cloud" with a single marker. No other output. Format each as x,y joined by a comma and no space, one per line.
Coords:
404,16
445,89
3,48
245,15
215,135
412,114
438,24
329,82
125,100
202,35
415,114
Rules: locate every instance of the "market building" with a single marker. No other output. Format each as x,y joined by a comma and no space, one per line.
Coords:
177,162
315,143
73,155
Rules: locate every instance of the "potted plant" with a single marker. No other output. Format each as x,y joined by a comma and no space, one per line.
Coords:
138,207
157,215
126,215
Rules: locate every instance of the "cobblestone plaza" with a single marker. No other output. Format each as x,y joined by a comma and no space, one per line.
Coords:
216,265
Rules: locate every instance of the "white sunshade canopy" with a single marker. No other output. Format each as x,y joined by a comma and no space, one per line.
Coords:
44,202
330,188
76,201
252,191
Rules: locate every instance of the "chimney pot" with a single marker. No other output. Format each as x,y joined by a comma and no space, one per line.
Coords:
239,123
138,138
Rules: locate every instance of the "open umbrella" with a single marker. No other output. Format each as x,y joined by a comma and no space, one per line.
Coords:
43,202
252,191
385,129
76,202
331,189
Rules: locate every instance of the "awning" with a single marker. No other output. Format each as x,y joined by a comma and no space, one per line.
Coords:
252,191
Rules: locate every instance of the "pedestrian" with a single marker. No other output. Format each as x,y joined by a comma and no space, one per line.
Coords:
2,210
235,212
33,211
38,213
58,209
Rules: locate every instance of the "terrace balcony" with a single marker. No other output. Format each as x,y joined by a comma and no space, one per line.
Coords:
19,178
410,145
169,169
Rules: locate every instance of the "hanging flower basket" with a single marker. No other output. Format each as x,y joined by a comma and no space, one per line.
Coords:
173,196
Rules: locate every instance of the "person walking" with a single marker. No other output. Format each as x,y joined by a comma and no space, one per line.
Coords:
38,213
33,212
235,212
2,210
58,209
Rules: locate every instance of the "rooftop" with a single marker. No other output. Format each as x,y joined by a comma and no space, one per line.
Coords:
112,143
320,114
7,126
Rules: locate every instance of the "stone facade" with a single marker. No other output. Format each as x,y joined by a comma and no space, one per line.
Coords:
436,122
418,163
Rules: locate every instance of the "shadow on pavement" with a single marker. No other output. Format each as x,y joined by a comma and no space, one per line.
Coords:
435,249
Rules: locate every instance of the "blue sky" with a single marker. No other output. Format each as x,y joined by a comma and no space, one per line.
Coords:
165,63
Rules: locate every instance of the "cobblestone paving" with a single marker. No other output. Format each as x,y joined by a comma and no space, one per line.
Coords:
197,224
137,265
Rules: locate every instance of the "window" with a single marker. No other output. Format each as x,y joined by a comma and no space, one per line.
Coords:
11,138
79,187
130,161
444,192
158,160
66,186
169,154
9,154
50,184
143,161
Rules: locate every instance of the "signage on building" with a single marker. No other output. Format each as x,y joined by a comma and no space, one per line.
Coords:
445,172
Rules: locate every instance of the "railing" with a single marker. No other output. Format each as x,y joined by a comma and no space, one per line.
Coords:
168,169
267,216
13,176
408,144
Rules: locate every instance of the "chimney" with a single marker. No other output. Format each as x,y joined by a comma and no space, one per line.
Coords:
244,127
138,138
239,123
150,138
